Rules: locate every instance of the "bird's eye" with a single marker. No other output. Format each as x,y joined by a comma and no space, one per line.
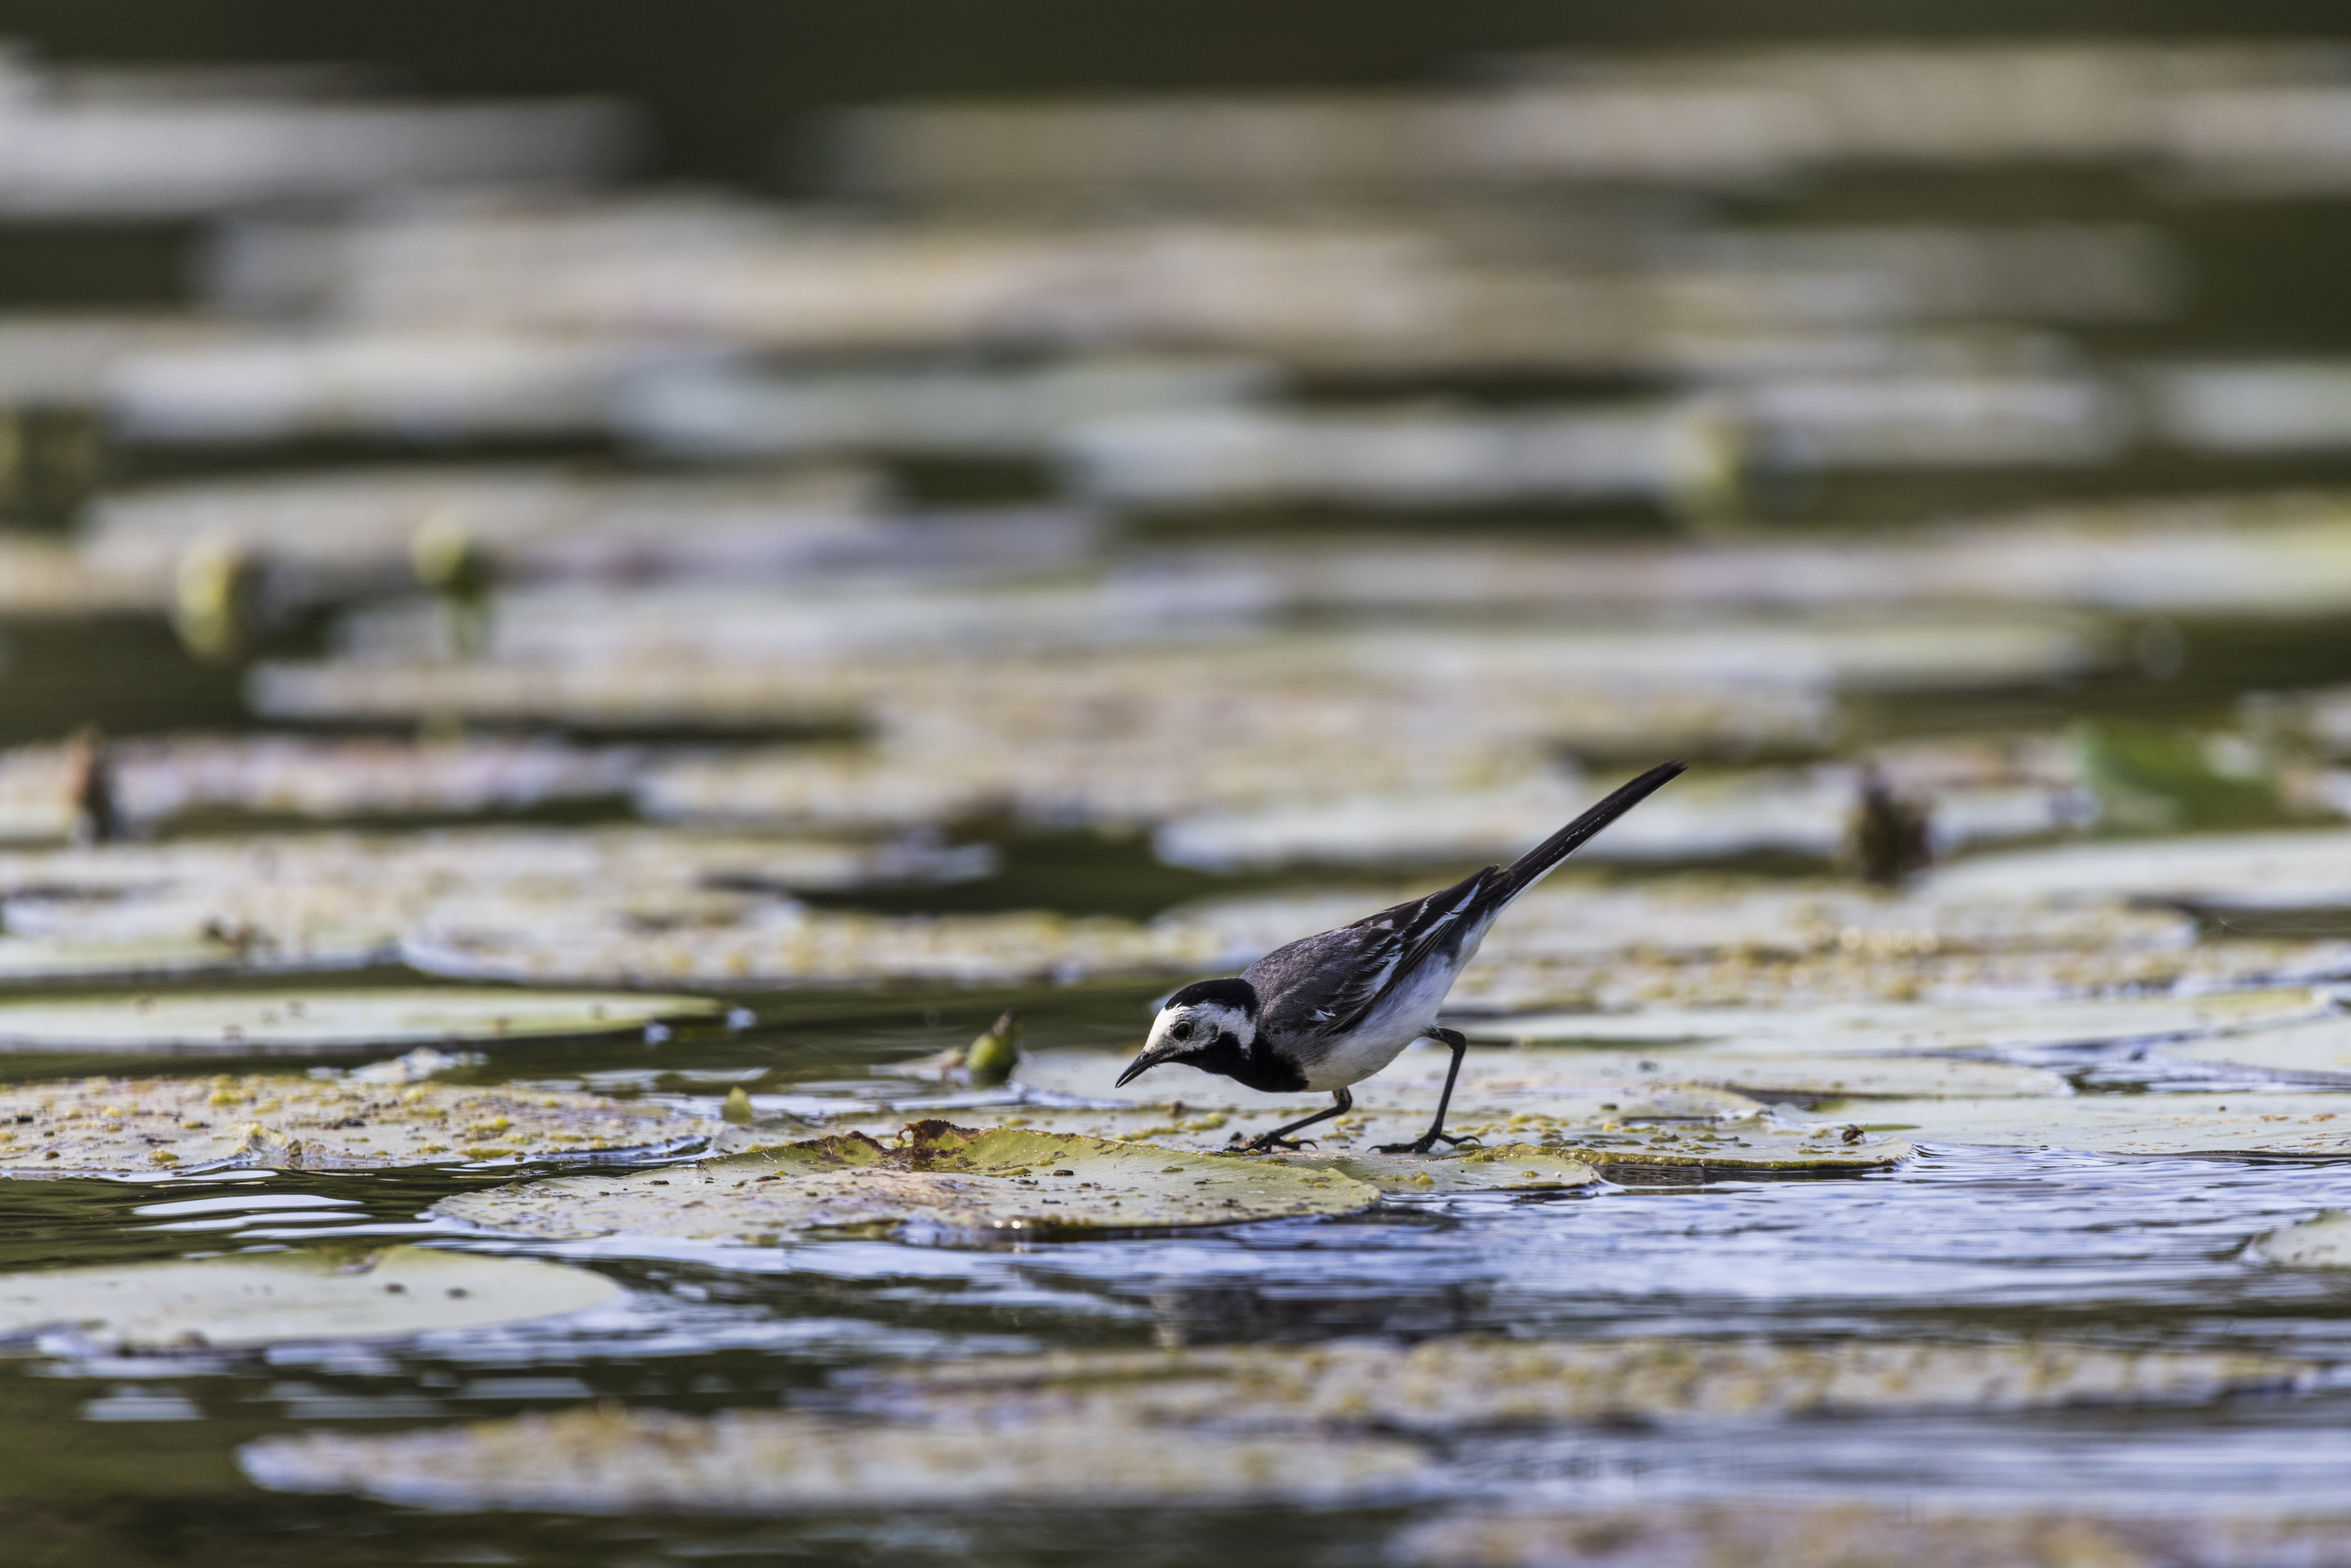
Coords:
1181,1031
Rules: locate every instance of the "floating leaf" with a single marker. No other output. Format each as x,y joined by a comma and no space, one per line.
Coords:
268,1298
1588,1129
1752,1534
1456,1385
152,1125
1413,1082
610,1460
2283,870
244,1021
2318,1050
1511,1168
941,1177
2321,1243
1888,1028
2314,1125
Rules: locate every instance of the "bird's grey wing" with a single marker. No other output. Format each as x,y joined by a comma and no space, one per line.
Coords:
1430,928
1326,984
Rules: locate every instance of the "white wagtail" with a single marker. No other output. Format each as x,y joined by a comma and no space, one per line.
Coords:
1331,1010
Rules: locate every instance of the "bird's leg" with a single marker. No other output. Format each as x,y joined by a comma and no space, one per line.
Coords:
1280,1137
1437,1134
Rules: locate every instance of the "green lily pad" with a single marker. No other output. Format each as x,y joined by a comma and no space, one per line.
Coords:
1586,1129
2321,1243
150,1126
940,1178
270,1298
610,1460
1457,1384
1890,1028
1510,1168
245,1021
2309,1125
1752,1534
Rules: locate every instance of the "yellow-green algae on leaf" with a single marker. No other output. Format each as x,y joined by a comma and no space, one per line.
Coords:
937,1177
1755,1535
299,1020
2314,1126
610,1460
1589,1129
150,1126
2323,1242
270,1298
1457,1384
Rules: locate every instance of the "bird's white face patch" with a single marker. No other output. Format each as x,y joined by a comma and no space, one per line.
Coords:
1196,1024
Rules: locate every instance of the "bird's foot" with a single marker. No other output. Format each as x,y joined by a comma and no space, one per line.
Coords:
1428,1140
1268,1144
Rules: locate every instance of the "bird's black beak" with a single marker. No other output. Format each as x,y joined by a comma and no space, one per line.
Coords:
1144,1063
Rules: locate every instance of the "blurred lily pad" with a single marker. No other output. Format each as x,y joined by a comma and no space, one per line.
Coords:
150,1126
229,1302
609,1460
1755,1535
2321,1243
2319,1050
2311,1126
939,1178
1888,1028
1456,1385
244,1021
2273,871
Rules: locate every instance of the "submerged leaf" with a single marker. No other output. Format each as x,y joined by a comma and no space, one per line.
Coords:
610,1460
149,1126
230,1302
941,1178
245,1021
1511,1168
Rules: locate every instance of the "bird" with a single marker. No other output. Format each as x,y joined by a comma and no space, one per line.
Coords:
1328,1011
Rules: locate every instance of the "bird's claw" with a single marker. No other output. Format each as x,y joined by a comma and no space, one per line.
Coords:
1428,1141
1268,1144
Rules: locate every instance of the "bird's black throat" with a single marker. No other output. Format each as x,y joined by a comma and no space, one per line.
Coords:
1253,1066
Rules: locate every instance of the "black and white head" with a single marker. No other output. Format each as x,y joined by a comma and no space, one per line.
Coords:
1209,1025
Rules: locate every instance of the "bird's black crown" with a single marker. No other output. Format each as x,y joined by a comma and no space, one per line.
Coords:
1235,993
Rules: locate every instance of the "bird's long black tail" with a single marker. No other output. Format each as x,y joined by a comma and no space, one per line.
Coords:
1536,864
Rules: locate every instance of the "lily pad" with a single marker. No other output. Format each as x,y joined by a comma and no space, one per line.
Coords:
2318,1050
270,1298
150,1126
246,1021
1511,1168
2315,1126
1887,1028
940,1178
2321,1243
1449,1385
610,1460
1538,1071
1588,1129
2265,872
1752,1534
1412,1082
